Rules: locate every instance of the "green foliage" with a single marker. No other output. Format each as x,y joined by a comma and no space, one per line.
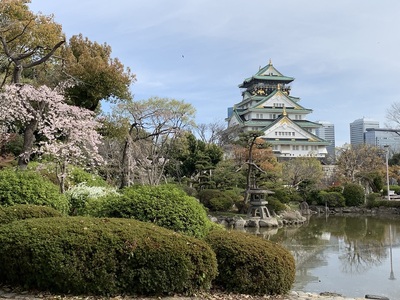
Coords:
164,205
14,146
336,188
395,188
275,205
225,175
387,203
28,187
103,257
25,211
331,199
251,265
353,194
78,175
372,199
394,160
216,200
221,203
83,199
282,194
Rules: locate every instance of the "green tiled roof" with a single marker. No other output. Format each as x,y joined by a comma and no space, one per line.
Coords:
267,73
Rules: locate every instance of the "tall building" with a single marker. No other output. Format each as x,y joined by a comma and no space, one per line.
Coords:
381,137
267,106
327,133
358,129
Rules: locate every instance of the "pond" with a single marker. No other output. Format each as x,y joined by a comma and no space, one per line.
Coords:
349,255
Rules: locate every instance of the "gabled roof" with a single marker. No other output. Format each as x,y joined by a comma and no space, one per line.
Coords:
235,118
267,73
283,124
278,96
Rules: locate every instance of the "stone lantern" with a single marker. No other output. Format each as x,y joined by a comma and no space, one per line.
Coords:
258,202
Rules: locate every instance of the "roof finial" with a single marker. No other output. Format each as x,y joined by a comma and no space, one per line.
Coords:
284,113
270,62
279,86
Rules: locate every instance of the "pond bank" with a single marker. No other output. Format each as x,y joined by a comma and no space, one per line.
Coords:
6,293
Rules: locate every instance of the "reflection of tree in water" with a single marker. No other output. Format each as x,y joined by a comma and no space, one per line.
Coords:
359,256
363,245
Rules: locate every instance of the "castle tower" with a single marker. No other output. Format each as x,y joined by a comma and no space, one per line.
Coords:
267,106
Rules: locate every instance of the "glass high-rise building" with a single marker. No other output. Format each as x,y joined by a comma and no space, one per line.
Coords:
327,133
358,129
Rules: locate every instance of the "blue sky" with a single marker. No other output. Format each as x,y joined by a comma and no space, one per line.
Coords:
343,54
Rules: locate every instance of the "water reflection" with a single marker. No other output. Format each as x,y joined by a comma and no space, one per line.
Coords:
348,255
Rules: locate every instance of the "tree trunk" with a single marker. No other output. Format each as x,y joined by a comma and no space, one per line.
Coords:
29,139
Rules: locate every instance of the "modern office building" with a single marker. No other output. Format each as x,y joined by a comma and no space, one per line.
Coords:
382,137
327,133
267,106
358,129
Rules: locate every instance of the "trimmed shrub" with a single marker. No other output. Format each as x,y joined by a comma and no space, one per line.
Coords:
275,205
332,199
353,194
81,255
221,203
25,211
372,199
29,187
251,265
216,200
387,203
164,205
206,195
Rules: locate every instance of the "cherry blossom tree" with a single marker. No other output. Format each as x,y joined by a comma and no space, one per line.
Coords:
66,133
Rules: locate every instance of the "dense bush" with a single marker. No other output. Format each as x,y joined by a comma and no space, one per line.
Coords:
29,187
372,199
25,211
221,203
206,195
274,205
165,205
331,199
386,203
282,194
353,194
217,200
251,265
78,176
103,257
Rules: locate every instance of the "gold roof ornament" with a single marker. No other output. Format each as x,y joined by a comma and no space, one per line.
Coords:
284,113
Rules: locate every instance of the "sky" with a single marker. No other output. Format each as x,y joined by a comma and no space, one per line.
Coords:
343,54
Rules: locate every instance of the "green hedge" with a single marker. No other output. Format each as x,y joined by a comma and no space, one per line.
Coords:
25,211
164,205
251,265
29,187
80,255
353,194
331,199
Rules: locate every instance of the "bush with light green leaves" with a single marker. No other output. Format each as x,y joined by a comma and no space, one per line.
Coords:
29,187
